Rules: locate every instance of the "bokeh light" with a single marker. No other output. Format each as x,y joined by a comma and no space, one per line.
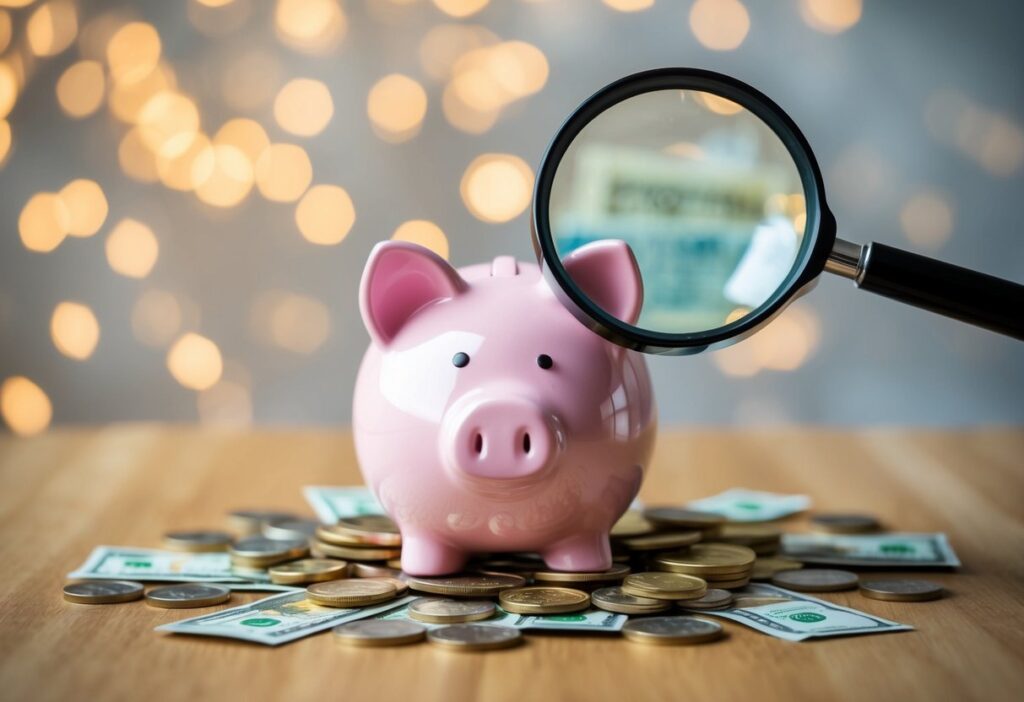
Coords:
44,222
396,106
497,187
246,135
283,172
425,233
310,26
5,141
126,99
460,8
250,80
325,214
80,89
291,321
157,317
993,140
784,345
718,104
132,248
133,52
927,219
629,5
8,88
165,116
303,107
218,18
195,361
52,27
831,16
135,157
719,25
444,44
86,206
185,161
24,406
75,330
6,30
230,176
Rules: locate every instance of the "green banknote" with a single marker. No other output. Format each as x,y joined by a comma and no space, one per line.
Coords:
331,503
891,550
795,617
127,563
594,620
740,505
273,620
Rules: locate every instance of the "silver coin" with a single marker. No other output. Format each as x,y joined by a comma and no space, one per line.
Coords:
671,630
613,599
474,637
816,580
437,610
103,591
290,528
187,595
249,521
901,590
380,632
257,546
716,598
198,541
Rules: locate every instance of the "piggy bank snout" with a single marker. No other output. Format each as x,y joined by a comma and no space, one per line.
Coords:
500,438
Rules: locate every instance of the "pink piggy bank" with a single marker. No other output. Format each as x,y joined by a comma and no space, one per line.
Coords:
487,418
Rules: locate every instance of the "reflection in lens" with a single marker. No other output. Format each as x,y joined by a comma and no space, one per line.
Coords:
704,192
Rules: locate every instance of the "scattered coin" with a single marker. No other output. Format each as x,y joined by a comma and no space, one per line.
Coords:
475,637
715,598
376,529
478,585
614,574
901,590
188,595
370,570
308,570
664,586
289,528
632,523
766,567
103,591
712,558
678,517
401,586
260,552
671,630
380,632
437,610
350,593
251,521
662,541
729,584
749,534
541,599
840,523
816,580
613,599
355,553
198,541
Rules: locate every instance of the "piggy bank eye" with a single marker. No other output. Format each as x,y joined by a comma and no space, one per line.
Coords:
460,360
544,361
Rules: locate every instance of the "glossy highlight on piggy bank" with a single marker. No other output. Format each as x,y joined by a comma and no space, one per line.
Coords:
488,419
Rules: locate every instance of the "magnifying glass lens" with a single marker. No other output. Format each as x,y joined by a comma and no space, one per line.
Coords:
706,195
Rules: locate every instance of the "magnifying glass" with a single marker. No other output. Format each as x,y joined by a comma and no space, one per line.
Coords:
722,203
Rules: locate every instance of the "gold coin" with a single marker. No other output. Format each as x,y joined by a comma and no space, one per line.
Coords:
474,585
376,529
662,541
401,586
260,552
632,523
437,610
716,598
370,570
541,599
678,517
251,521
355,553
901,590
350,593
308,570
709,558
664,586
845,523
613,574
748,534
766,567
379,632
730,584
613,599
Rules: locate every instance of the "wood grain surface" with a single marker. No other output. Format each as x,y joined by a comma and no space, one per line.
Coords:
63,493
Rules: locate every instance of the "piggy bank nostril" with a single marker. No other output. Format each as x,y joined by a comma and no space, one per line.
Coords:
526,442
478,443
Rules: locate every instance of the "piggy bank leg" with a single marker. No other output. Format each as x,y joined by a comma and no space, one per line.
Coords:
587,552
423,555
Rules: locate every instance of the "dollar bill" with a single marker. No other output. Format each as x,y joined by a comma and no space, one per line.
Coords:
794,616
262,587
127,563
594,620
892,549
331,503
740,505
273,620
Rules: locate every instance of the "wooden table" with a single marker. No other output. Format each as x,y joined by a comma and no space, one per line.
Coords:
63,493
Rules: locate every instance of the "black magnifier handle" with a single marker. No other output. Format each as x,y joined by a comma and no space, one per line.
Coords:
972,297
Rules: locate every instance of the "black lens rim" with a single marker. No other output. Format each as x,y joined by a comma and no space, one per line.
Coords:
819,234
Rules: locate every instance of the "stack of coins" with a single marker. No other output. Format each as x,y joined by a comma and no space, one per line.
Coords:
845,523
723,566
475,585
198,541
365,539
614,599
664,586
580,580
707,523
252,555
762,539
350,594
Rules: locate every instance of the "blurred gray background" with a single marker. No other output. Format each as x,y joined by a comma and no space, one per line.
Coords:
913,109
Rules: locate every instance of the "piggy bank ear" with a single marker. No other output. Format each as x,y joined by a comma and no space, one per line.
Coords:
399,280
608,274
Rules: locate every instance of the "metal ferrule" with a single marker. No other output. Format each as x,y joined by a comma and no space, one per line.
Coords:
845,259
